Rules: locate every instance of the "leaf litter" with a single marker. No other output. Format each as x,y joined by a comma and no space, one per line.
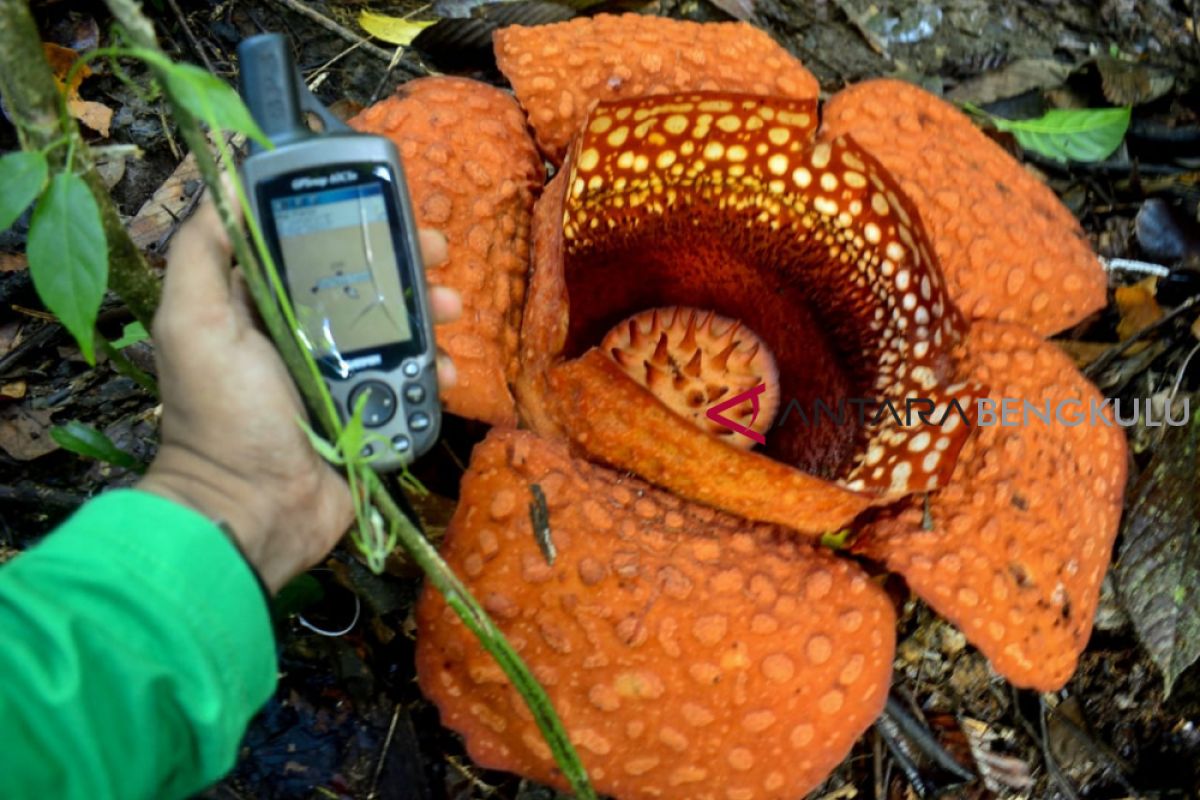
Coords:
326,732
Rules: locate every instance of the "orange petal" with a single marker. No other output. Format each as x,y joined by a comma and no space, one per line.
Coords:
1009,249
721,202
1020,539
558,71
473,173
615,420
684,649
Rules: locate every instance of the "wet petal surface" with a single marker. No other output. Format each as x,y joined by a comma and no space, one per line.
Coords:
1018,543
689,653
473,174
559,71
1009,249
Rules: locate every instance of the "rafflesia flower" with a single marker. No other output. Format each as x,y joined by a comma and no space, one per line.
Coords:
701,238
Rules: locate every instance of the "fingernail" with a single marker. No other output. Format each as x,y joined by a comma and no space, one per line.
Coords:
447,372
449,302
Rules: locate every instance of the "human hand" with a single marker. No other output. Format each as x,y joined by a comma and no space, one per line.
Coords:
231,445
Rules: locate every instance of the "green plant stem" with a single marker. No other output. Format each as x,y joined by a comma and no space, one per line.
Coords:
126,367
31,98
459,598
265,288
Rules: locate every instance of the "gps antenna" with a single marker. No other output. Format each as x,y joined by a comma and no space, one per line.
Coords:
268,82
277,97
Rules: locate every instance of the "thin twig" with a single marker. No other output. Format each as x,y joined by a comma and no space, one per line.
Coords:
31,342
1056,773
890,733
28,494
1109,355
913,729
383,751
1179,375
333,61
877,764
1133,265
338,29
197,47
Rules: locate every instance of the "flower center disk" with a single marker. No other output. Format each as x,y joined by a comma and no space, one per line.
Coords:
692,359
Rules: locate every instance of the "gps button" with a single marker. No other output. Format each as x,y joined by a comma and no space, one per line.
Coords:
411,368
380,405
419,421
414,393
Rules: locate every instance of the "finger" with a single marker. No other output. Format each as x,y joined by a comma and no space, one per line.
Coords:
446,303
446,371
235,205
198,263
240,297
434,247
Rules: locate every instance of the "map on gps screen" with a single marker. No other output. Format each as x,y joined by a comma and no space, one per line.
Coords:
341,268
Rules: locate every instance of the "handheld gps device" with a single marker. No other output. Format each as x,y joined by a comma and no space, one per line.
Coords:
335,213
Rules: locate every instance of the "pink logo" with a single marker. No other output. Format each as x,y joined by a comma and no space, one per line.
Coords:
714,413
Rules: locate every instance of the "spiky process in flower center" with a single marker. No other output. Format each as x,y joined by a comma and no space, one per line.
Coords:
691,359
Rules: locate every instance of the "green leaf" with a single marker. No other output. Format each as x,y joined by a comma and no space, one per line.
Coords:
87,441
394,30
296,595
22,175
205,96
836,540
133,333
1158,569
1076,134
324,448
68,257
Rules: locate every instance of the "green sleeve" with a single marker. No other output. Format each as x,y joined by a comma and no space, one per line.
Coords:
135,645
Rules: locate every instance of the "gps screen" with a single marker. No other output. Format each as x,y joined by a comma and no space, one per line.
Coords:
341,268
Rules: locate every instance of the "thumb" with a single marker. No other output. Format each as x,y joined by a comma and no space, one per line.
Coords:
200,256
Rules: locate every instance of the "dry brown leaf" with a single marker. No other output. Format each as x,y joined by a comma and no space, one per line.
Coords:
1127,83
1083,353
14,390
13,262
24,433
1196,327
161,213
1158,573
1014,79
1138,310
990,745
111,169
345,108
96,116
10,335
